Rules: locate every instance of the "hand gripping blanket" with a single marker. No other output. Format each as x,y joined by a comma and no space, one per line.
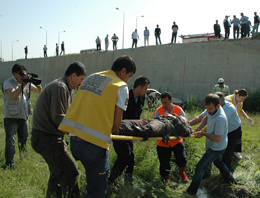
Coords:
160,127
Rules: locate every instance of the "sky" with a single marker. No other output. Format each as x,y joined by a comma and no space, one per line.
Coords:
84,20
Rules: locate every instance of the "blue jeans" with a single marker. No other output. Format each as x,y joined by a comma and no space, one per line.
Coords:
96,163
255,28
209,157
13,126
156,38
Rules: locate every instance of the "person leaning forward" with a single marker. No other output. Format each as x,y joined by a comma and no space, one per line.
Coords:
176,146
95,113
48,141
17,109
216,143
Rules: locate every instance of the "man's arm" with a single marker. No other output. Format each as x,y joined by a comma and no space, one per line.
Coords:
117,118
196,120
202,123
213,137
15,93
37,89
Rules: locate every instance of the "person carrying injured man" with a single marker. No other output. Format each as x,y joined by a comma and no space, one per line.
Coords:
164,150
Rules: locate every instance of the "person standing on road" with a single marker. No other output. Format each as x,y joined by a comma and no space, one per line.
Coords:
175,29
146,36
106,42
135,38
115,39
62,48
157,33
45,51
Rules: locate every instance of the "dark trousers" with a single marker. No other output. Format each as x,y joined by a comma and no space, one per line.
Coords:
134,43
217,34
125,158
164,155
227,32
174,36
95,160
114,45
206,160
98,47
63,169
239,143
13,126
235,31
233,139
157,37
243,30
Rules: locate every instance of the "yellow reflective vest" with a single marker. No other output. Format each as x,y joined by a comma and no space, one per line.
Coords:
91,114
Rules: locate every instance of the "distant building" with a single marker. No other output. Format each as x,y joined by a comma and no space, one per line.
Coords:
197,37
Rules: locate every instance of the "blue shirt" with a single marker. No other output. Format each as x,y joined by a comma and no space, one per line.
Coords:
236,23
217,124
245,20
233,119
231,113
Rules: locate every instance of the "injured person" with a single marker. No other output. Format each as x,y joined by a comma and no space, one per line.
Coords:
165,126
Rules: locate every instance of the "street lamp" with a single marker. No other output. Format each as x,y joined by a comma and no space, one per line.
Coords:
46,35
12,49
123,27
59,36
136,20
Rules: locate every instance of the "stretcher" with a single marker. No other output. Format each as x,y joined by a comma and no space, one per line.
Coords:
123,137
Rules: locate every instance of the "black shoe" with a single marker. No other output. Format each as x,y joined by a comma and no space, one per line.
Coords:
129,179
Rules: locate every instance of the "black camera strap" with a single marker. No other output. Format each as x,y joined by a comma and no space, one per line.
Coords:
29,94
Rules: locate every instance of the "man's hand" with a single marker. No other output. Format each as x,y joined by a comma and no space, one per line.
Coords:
199,134
250,121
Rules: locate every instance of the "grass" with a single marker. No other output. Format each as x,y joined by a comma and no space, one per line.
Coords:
31,177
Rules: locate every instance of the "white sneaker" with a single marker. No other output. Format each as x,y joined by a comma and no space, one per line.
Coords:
238,155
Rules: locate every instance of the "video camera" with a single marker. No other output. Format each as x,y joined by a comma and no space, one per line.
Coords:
30,78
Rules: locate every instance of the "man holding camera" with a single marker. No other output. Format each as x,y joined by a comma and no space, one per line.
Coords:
48,141
17,107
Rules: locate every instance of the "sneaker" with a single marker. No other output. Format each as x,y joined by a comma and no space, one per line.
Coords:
238,156
183,175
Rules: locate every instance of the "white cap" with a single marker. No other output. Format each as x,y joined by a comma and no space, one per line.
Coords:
220,80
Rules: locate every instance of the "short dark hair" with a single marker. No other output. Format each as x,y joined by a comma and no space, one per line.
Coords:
124,62
220,95
212,98
76,67
142,81
17,68
242,92
166,94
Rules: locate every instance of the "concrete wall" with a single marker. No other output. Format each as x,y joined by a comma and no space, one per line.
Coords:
184,69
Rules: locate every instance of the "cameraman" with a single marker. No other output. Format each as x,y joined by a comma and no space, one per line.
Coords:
17,108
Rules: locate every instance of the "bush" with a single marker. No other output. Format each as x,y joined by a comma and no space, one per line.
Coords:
191,103
252,103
